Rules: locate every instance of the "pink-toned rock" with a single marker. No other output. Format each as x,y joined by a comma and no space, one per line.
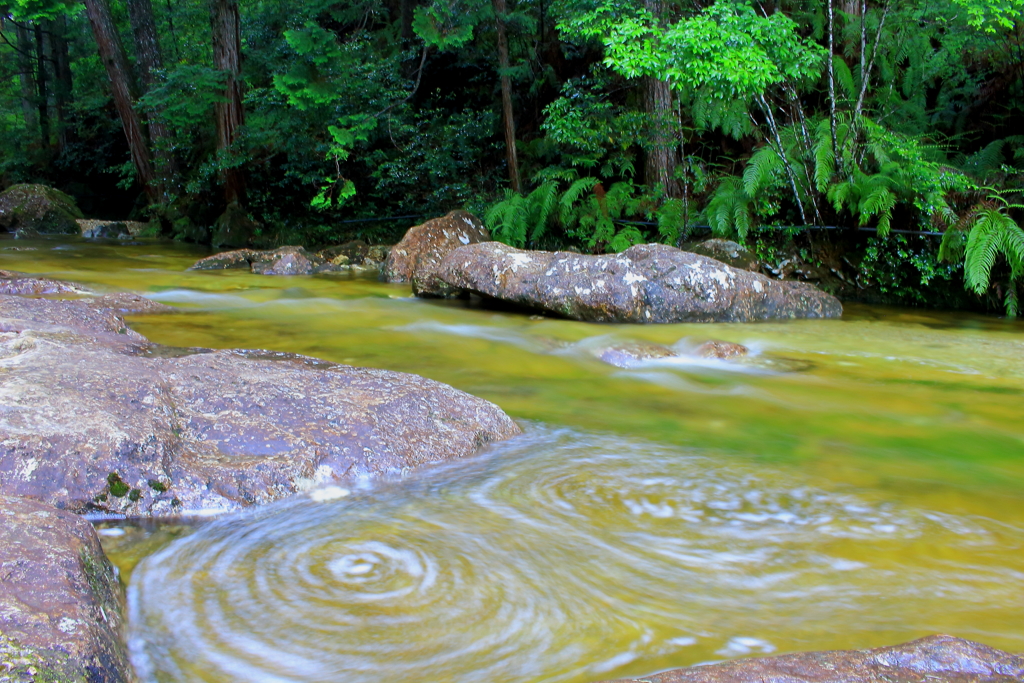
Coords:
935,659
61,604
417,258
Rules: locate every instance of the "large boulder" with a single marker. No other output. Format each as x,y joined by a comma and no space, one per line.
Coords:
38,210
61,604
935,659
417,258
94,417
647,283
26,285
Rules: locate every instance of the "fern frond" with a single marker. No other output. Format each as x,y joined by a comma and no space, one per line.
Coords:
567,211
761,170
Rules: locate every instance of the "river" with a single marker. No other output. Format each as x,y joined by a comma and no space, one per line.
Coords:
853,483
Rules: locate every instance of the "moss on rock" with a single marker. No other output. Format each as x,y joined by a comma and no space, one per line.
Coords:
38,210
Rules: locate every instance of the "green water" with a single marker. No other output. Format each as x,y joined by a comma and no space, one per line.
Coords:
854,483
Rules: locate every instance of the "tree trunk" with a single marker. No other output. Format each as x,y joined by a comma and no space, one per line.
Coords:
227,57
26,76
150,61
660,161
506,97
63,84
113,58
42,97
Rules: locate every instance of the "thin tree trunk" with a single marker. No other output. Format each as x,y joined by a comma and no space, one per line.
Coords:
42,96
506,97
63,84
837,160
660,159
227,57
149,62
26,76
781,150
112,55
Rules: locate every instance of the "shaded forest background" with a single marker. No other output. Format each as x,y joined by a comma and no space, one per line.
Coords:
587,124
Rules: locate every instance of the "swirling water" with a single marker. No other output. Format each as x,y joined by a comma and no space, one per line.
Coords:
854,483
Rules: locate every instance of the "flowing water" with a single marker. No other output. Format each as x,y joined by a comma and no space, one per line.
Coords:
853,483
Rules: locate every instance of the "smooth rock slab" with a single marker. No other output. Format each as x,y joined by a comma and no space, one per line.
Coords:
61,605
94,417
417,258
935,659
648,283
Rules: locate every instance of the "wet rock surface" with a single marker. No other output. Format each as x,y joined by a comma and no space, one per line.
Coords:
357,253
650,283
94,417
728,252
417,258
935,659
61,604
38,210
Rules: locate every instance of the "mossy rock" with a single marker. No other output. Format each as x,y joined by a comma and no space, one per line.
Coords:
38,210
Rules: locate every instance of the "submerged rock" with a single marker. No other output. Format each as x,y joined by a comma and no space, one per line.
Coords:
356,253
417,258
631,354
61,604
728,252
935,659
721,350
649,283
38,210
92,419
95,229
294,260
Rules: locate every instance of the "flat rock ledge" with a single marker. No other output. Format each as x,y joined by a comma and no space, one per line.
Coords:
94,417
649,283
61,604
935,659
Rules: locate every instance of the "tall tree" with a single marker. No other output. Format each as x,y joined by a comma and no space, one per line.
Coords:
229,113
149,61
660,161
63,85
112,55
26,75
506,95
42,97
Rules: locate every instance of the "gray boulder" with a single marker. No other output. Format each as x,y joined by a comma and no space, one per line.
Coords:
728,252
38,210
648,283
94,417
935,659
417,258
61,604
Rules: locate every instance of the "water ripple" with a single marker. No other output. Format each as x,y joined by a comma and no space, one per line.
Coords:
560,557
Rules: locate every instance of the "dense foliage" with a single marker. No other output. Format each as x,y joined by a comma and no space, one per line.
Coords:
630,121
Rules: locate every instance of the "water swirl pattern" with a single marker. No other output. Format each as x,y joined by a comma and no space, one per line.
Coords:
559,556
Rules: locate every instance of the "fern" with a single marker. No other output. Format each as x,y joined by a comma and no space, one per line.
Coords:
980,237
728,212
763,169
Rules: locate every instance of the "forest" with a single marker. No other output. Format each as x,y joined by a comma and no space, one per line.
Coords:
874,147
